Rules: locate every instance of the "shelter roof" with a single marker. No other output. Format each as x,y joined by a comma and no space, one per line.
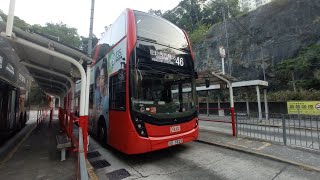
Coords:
41,64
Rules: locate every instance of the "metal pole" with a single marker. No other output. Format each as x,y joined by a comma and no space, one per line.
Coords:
219,102
87,90
259,102
232,109
10,18
247,104
227,38
91,28
263,64
208,103
231,101
82,159
284,130
222,62
266,107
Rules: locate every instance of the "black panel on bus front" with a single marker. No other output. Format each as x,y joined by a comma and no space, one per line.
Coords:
159,55
157,68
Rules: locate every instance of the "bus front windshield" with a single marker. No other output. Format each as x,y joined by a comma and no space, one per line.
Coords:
162,93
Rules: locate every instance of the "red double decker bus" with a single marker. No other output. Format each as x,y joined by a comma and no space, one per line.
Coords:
142,92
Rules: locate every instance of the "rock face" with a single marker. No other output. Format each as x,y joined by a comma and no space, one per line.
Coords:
276,31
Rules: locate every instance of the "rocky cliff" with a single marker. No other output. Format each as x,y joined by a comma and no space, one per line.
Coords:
274,32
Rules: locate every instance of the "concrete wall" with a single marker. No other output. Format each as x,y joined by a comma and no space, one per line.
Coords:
274,107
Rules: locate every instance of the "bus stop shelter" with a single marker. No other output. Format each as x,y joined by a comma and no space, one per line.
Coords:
55,67
214,78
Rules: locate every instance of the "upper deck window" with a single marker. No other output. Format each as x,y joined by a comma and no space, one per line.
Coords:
111,37
159,30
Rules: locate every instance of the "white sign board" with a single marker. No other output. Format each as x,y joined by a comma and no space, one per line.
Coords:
222,52
221,112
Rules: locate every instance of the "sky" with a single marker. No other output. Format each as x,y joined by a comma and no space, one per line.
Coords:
76,13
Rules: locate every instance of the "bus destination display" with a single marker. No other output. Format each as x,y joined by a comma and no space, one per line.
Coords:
163,57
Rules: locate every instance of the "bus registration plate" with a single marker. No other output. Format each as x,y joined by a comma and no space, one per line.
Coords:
175,142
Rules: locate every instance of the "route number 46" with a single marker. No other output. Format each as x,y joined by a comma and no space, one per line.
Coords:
179,61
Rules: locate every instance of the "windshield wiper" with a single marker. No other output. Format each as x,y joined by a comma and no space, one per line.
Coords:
146,39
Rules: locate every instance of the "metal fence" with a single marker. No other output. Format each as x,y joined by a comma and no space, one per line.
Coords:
296,130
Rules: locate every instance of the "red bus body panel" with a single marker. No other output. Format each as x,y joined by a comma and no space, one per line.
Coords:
122,134
136,144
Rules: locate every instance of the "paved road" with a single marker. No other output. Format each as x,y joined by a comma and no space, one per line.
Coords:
196,161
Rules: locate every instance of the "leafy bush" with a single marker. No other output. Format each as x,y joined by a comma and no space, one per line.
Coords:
282,96
198,34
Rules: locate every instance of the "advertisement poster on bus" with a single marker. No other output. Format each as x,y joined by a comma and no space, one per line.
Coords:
304,107
101,90
116,58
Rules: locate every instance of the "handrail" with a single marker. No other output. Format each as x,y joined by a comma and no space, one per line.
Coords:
66,123
41,114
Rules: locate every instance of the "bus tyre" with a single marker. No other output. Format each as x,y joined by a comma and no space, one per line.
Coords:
102,133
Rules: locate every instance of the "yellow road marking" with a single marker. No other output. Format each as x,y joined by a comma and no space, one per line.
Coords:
263,146
237,145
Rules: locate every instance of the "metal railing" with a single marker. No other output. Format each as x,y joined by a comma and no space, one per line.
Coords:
296,130
41,114
66,123
218,115
215,114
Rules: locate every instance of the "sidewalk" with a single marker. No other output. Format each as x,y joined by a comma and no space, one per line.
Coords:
37,157
304,158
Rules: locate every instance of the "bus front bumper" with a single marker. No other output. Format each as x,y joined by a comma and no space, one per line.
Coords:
138,145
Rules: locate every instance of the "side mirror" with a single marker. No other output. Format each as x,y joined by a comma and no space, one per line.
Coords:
207,81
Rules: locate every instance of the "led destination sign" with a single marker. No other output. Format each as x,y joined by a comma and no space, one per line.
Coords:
163,57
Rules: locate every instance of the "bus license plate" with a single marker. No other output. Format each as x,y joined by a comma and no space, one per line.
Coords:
175,142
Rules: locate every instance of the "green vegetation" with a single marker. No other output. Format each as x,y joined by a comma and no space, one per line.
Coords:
283,96
17,21
301,72
37,98
58,31
199,33
196,17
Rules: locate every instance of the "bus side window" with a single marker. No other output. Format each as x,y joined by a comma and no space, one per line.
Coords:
91,96
117,93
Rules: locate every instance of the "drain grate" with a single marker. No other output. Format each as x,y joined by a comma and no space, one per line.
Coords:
93,154
118,174
100,164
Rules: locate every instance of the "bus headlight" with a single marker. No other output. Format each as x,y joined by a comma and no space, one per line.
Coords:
140,127
197,121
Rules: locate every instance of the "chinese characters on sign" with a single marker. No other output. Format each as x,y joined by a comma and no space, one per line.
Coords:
160,56
304,107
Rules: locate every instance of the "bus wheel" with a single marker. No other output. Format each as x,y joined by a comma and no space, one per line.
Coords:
102,133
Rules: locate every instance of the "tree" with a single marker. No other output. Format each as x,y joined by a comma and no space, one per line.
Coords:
17,21
60,31
301,71
155,12
84,42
